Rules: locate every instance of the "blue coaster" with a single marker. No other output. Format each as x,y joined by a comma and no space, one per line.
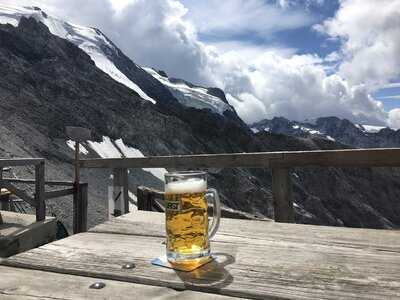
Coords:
162,261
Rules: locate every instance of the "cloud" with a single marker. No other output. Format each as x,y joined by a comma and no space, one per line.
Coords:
243,18
296,3
394,118
369,31
262,82
296,87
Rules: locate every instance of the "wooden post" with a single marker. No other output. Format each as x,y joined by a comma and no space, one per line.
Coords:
77,195
120,191
283,195
4,198
40,192
145,199
79,134
83,207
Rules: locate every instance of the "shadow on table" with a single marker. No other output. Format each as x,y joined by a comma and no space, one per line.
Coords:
212,275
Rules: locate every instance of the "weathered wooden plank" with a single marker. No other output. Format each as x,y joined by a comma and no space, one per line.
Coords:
59,193
245,266
336,158
21,232
40,192
282,192
186,161
15,162
153,224
32,181
341,158
23,284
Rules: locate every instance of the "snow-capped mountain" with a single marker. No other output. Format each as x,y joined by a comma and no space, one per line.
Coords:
333,129
90,40
107,57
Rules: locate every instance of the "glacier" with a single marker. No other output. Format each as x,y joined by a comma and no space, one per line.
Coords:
192,96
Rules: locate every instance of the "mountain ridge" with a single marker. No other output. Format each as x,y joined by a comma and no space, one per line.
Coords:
335,129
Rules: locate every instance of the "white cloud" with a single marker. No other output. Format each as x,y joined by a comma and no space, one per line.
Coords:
297,87
238,17
294,3
370,34
394,118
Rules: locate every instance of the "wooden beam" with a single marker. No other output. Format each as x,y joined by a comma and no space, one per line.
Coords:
15,162
334,158
283,195
186,161
40,192
32,181
341,158
59,193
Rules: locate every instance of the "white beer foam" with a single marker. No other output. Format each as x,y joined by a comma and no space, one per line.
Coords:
193,185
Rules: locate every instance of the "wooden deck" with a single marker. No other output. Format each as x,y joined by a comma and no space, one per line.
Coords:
255,259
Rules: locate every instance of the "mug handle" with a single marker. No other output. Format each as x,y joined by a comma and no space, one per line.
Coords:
212,230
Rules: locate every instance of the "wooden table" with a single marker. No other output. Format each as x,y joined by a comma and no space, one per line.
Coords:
256,259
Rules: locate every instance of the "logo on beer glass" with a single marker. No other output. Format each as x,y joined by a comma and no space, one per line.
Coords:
186,209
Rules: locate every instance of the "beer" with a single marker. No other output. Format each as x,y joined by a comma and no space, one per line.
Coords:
187,219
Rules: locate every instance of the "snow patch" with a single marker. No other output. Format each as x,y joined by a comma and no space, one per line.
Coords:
117,149
82,149
255,130
133,152
196,97
88,39
309,130
330,138
132,206
267,129
105,149
372,128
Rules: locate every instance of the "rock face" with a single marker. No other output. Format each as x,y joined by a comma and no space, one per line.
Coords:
333,128
47,83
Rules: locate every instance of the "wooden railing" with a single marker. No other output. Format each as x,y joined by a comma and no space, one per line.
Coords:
40,195
279,162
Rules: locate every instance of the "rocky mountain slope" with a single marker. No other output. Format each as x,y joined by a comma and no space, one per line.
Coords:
334,129
48,82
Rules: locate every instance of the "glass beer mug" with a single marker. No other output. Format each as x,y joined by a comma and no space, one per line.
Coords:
188,231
